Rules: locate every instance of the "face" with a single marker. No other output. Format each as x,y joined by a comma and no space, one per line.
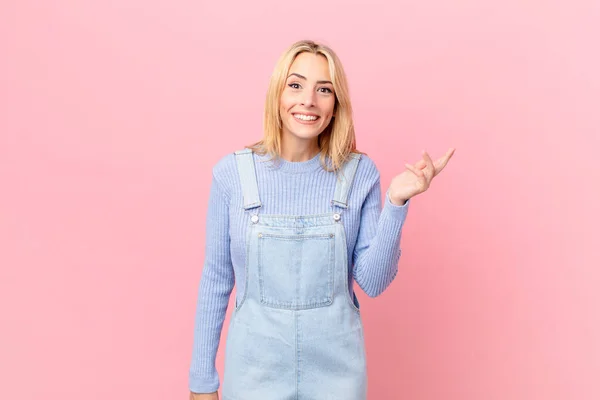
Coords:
307,102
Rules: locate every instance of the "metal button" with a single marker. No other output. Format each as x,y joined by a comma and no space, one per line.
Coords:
260,235
331,235
254,219
336,217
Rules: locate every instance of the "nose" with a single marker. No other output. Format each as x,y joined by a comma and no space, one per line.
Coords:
308,98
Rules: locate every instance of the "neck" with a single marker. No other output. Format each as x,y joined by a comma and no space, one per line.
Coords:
297,150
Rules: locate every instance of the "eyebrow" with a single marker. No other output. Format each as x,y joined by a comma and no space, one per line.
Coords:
303,77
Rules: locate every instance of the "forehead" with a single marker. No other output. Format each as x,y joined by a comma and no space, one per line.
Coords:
312,66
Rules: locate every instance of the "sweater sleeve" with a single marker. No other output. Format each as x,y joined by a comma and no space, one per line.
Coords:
216,285
377,250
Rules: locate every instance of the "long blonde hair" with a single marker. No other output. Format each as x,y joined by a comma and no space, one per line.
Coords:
337,141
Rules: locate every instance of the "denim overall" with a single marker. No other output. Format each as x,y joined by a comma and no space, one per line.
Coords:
296,333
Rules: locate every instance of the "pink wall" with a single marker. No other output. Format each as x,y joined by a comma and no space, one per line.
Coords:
112,114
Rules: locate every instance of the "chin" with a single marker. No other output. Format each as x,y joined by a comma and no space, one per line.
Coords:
306,135
305,132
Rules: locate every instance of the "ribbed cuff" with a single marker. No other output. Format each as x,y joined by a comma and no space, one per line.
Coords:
394,212
198,384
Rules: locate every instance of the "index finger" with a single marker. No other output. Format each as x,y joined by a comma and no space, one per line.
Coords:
441,162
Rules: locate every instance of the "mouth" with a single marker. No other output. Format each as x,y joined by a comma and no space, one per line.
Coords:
305,118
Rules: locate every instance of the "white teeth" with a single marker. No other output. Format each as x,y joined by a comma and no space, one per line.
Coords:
305,117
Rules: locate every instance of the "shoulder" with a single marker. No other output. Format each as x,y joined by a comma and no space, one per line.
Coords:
224,173
367,170
224,166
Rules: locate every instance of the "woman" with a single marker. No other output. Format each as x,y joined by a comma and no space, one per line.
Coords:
293,221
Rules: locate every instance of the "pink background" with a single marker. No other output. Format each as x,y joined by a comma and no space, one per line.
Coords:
113,113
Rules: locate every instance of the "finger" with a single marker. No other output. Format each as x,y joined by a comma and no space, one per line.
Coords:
441,163
420,164
430,167
419,173
427,158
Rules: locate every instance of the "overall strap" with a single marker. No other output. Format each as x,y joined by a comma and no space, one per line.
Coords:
344,181
247,173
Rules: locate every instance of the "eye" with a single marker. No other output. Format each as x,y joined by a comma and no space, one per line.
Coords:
326,90
294,85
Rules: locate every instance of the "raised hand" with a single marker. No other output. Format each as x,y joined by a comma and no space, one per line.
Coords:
417,178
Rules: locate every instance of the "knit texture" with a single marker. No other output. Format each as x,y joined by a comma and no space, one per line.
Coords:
302,188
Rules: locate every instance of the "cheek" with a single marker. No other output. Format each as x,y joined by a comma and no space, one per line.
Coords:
285,102
329,106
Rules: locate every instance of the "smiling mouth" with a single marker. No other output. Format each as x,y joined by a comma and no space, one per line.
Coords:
305,118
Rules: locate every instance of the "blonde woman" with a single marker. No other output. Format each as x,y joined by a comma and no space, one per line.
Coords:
293,221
